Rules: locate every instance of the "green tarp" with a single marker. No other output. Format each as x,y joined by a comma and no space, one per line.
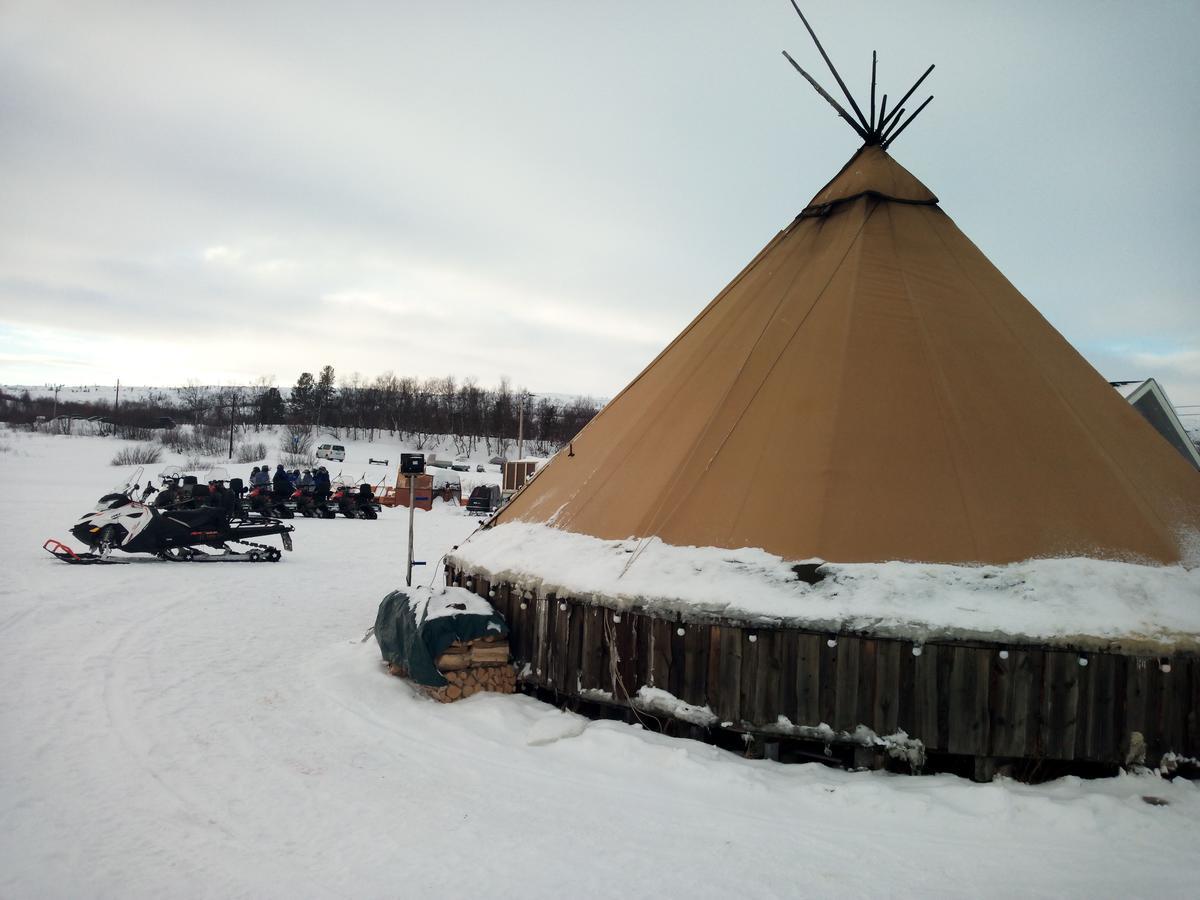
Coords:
415,628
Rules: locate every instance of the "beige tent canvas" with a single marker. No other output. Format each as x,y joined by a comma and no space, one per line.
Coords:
870,387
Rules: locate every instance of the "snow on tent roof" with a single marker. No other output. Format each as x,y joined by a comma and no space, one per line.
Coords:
869,388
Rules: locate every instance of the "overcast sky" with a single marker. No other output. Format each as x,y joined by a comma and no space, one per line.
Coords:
551,190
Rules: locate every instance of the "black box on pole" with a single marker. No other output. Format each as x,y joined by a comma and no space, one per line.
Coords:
412,463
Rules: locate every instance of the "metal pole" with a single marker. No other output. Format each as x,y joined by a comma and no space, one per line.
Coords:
412,506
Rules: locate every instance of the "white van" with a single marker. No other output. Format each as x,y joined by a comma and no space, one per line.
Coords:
335,452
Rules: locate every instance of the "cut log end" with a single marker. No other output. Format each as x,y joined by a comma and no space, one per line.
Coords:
467,682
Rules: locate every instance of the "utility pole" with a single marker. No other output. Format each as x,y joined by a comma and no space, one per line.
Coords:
117,400
521,425
232,401
57,388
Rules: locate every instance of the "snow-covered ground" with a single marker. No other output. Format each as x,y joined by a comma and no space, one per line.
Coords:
222,731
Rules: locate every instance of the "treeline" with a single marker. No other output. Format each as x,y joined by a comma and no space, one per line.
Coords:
415,409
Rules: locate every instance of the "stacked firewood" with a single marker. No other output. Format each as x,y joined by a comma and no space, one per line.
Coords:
471,667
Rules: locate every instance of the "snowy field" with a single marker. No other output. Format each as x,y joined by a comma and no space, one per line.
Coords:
171,730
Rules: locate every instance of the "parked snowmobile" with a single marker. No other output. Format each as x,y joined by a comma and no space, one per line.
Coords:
262,500
308,506
356,504
121,523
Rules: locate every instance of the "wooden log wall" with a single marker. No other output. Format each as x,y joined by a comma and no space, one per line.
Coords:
986,701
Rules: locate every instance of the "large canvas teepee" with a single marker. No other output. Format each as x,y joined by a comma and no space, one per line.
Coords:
872,388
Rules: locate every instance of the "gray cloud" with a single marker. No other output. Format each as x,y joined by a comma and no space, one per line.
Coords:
528,177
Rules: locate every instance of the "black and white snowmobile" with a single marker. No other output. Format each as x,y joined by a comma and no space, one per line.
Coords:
121,523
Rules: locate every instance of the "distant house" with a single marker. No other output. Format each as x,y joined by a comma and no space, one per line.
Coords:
1149,399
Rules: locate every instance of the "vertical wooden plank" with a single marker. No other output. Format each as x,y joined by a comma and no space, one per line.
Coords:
748,678
1060,698
807,709
827,680
575,647
886,713
1136,683
1000,706
1085,699
926,697
529,632
678,659
640,627
963,734
906,691
644,640
713,673
729,667
787,647
498,601
770,675
664,647
550,657
864,702
694,688
945,667
1026,720
517,644
1011,703
541,638
591,650
1193,707
845,713
626,642
562,644
1101,743
1155,742
1174,715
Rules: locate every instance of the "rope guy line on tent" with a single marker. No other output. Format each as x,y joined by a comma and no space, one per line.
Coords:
882,128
